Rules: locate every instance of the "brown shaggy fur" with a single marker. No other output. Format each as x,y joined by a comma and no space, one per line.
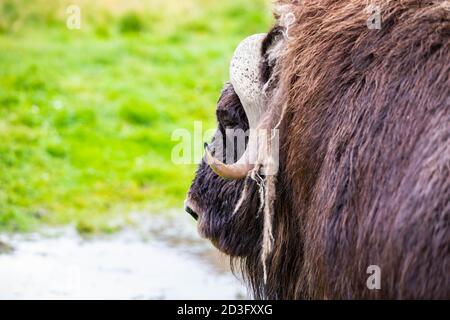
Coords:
366,177
364,163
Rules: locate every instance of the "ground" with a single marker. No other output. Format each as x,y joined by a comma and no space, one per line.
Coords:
86,116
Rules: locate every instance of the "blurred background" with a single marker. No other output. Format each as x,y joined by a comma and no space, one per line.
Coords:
89,196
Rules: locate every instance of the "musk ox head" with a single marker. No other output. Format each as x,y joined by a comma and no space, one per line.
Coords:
222,198
362,178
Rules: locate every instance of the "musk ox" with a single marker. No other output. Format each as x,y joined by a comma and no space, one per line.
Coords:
363,179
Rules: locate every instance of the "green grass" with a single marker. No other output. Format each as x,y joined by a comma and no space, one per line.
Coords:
86,116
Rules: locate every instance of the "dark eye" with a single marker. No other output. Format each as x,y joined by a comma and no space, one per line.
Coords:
230,113
226,119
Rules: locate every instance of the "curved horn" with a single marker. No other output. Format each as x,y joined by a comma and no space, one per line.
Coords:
233,172
244,76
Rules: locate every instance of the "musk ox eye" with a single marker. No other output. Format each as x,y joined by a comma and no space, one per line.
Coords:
226,119
230,112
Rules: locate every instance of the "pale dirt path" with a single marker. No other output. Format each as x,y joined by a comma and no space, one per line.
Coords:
155,261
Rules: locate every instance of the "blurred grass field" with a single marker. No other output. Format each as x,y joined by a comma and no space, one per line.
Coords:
86,116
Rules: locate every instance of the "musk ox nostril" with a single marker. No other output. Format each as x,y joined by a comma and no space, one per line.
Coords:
192,213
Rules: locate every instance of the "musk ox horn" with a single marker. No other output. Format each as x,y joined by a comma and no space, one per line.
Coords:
246,81
245,77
